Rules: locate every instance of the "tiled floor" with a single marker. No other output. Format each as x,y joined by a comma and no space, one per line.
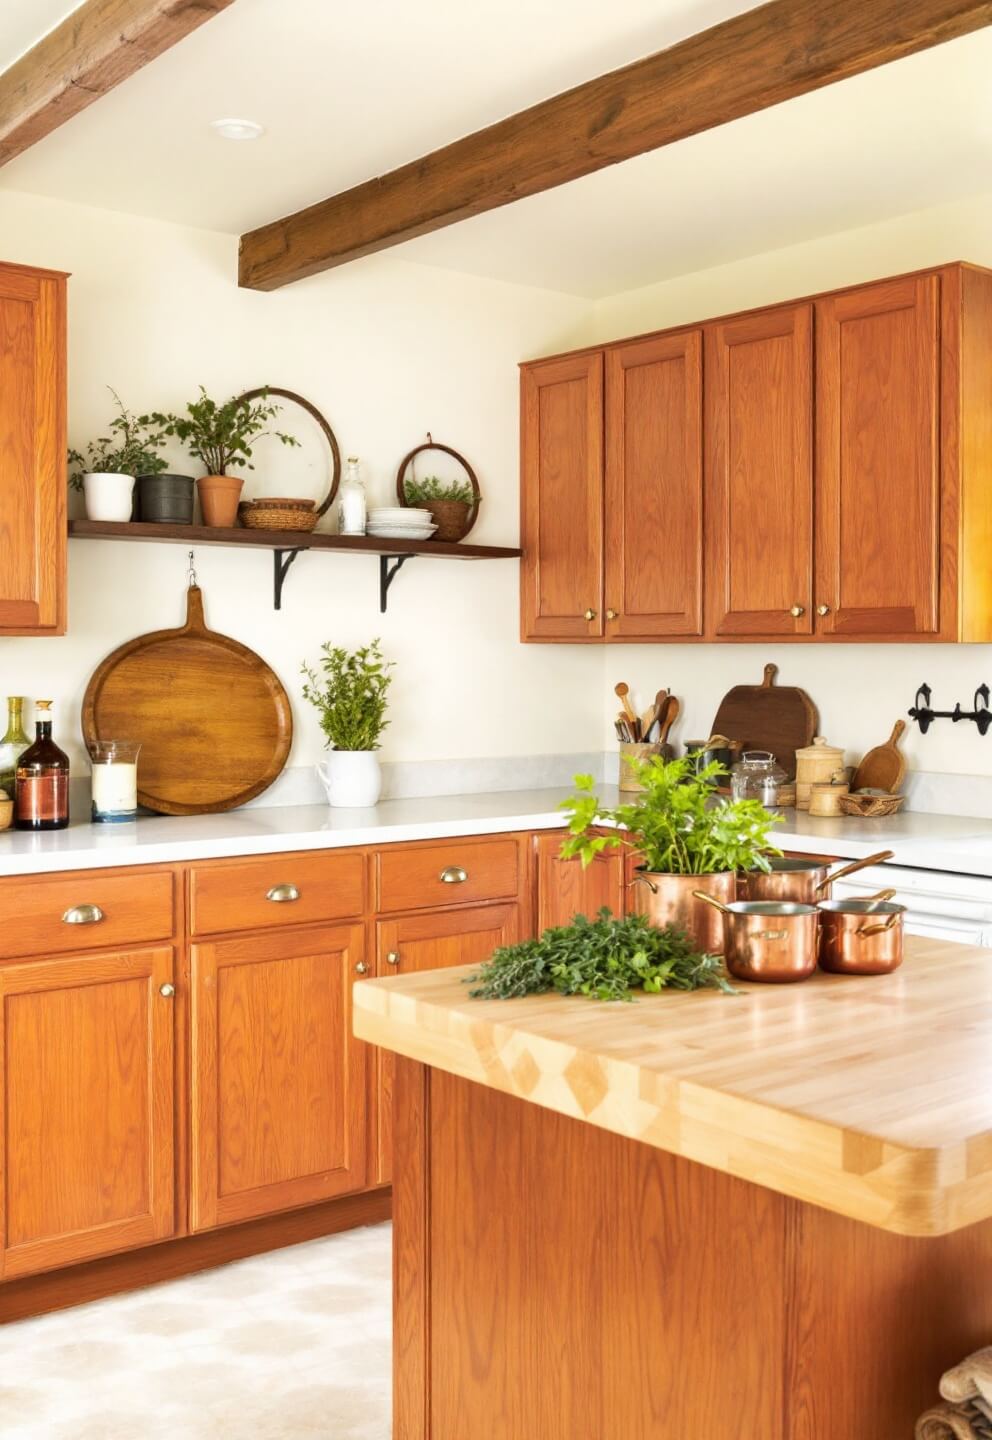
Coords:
291,1344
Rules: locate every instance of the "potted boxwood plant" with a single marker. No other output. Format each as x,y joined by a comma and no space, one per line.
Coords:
106,472
219,436
684,835
350,697
449,501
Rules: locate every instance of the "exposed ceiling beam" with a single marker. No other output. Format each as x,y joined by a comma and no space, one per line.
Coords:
100,44
774,53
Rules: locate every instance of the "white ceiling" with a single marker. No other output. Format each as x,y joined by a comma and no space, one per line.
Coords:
347,91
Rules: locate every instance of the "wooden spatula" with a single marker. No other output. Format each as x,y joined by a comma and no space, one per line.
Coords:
668,718
883,768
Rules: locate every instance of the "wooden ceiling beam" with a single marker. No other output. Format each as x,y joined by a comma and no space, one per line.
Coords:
767,55
100,44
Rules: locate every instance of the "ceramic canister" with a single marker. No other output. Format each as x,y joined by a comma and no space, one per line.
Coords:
816,762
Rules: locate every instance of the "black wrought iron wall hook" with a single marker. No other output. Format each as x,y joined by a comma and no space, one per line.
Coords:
925,715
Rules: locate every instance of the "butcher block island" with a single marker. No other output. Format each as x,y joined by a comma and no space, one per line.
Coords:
766,1215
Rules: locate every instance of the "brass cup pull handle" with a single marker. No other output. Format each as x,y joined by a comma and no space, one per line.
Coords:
453,875
83,915
167,990
393,958
283,894
796,610
361,968
589,614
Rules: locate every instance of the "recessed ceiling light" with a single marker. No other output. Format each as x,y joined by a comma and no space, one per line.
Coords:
237,129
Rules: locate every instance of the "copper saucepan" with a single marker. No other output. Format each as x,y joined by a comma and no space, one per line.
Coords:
768,940
804,882
861,937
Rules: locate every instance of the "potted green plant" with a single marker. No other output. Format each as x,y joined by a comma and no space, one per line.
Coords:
684,835
449,501
219,436
107,471
349,695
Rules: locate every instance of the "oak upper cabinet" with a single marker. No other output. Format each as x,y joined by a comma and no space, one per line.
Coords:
759,474
32,451
878,460
565,889
278,1078
86,1110
654,488
561,468
433,941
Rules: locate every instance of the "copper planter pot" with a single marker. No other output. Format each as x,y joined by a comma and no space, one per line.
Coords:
861,937
673,900
773,942
800,881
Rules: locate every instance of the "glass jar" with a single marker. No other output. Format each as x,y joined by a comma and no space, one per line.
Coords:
352,505
114,780
758,776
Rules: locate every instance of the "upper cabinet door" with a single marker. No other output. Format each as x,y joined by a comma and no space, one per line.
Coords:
759,474
561,474
878,482
32,452
654,488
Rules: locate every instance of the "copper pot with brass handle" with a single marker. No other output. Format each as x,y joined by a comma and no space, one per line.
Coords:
769,941
861,937
800,880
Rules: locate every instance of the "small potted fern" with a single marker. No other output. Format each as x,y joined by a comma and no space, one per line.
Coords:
349,695
451,503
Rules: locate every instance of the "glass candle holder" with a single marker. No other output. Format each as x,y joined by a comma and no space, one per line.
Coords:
114,780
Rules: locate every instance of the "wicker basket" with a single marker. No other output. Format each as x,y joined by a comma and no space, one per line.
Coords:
870,806
295,515
452,518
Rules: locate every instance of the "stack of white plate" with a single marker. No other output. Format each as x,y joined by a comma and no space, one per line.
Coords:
400,522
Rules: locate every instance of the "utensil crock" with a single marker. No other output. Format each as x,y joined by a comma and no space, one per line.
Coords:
773,942
674,900
861,937
800,880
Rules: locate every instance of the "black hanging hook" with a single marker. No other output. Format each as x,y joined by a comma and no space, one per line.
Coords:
924,714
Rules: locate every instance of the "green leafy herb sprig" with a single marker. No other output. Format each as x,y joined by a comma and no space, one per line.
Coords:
603,959
131,448
432,487
221,435
678,824
350,695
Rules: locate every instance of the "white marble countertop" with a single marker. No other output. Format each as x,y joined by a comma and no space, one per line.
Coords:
921,841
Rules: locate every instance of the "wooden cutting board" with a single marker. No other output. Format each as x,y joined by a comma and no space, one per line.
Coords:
883,768
779,718
213,720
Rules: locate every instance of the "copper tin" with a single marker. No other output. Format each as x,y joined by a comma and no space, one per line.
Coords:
861,937
669,900
770,941
802,881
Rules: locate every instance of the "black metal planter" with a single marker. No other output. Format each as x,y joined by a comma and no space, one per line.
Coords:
165,499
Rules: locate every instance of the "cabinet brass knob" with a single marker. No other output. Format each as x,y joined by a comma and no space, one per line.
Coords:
797,610
393,958
83,915
453,875
611,614
590,614
167,991
823,609
361,968
283,893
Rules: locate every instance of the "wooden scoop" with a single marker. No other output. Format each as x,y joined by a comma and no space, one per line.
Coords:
622,691
672,710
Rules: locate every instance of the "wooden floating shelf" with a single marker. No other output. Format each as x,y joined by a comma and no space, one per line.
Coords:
287,544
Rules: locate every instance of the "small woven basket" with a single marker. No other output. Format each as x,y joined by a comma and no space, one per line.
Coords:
284,515
6,811
870,806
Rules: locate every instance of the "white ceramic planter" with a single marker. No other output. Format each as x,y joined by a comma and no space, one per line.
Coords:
108,497
351,778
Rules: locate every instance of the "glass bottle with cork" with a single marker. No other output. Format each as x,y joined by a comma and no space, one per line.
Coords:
13,744
41,783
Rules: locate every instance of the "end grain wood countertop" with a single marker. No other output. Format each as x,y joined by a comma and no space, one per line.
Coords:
871,1097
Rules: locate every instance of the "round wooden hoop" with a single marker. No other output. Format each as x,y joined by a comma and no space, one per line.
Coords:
311,409
455,455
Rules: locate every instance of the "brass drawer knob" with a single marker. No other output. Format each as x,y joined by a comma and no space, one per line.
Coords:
83,915
361,968
283,894
167,991
823,609
453,875
612,614
590,614
797,610
393,958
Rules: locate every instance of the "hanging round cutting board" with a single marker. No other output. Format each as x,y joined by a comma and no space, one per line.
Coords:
213,720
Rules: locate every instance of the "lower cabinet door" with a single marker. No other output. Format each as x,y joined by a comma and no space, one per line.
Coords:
565,889
279,1080
433,942
87,1107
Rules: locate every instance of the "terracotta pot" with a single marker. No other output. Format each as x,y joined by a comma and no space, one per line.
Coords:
451,518
669,900
219,496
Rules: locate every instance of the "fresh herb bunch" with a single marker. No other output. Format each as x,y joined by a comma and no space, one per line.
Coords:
603,959
677,825
221,435
350,695
432,487
131,448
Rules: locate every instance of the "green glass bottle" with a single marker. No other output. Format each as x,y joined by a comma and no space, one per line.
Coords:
13,744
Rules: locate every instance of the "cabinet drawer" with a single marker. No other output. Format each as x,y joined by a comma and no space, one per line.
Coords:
111,910
449,873
276,890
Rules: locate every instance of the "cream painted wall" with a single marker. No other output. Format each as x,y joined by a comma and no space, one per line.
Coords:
860,689
387,350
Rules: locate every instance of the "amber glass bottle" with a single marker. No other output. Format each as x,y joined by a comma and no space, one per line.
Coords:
41,787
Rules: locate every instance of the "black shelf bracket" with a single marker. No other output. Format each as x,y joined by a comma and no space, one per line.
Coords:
282,559
924,715
388,574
